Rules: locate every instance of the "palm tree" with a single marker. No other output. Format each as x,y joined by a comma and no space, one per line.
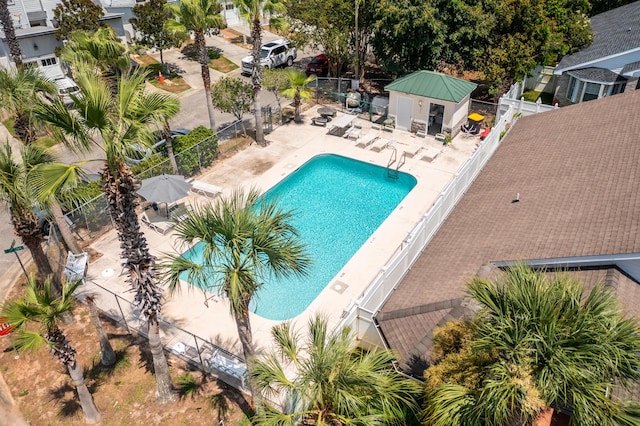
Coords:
16,194
6,20
328,380
252,11
99,50
121,116
246,242
555,346
202,17
41,306
298,89
18,88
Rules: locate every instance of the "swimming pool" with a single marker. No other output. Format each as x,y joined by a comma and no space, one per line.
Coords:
338,203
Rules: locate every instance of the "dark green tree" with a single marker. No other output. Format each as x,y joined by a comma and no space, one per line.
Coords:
73,15
407,36
325,24
599,6
149,23
541,342
232,95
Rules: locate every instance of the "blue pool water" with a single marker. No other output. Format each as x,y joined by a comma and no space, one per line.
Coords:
338,203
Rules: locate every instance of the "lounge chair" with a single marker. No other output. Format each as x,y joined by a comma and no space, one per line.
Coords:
366,140
430,154
380,144
206,189
225,364
158,223
411,150
353,134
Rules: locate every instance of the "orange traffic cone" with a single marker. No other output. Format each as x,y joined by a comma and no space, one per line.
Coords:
160,77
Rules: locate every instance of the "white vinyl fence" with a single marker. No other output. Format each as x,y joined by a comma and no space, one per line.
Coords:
359,316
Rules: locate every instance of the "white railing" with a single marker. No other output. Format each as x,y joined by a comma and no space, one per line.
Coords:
522,107
359,315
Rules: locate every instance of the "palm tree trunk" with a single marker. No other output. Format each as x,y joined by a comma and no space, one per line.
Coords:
91,413
169,142
23,129
107,355
120,191
63,226
10,33
206,77
164,387
246,339
256,77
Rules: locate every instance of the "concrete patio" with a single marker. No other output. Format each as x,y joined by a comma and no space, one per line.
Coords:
290,146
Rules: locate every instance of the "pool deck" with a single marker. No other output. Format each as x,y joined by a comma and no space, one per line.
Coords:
289,147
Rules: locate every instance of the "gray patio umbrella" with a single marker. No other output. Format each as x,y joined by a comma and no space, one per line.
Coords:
164,188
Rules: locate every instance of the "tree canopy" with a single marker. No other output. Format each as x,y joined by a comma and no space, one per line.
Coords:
538,341
149,23
72,15
232,95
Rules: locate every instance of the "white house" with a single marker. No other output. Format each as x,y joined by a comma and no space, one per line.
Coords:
429,102
35,32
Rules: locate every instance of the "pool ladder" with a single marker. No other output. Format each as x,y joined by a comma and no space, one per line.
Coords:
392,172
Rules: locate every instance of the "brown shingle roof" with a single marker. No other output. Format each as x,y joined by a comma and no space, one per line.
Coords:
577,170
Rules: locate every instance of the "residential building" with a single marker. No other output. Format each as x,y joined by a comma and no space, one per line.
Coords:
35,31
609,65
561,191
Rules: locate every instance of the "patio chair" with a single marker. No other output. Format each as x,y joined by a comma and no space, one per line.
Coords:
225,364
366,140
430,154
411,150
158,223
206,189
380,144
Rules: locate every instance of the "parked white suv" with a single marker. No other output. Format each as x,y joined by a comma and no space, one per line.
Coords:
273,54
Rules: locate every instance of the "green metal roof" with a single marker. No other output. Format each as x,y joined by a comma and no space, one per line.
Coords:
433,85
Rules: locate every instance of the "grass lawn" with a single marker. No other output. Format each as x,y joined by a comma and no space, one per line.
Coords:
533,95
145,60
124,393
174,85
222,65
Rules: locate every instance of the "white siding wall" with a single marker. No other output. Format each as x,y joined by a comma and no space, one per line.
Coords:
454,114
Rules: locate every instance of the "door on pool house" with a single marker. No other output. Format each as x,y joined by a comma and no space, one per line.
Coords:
403,113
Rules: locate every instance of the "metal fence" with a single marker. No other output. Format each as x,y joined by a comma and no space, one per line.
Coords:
197,351
360,315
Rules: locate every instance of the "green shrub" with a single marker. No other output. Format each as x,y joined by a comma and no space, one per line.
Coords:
190,51
152,166
191,160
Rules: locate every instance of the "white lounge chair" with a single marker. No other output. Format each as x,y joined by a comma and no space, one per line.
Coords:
380,144
206,189
366,140
430,154
182,348
224,364
411,150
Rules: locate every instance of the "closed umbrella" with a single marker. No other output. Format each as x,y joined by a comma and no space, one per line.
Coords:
164,188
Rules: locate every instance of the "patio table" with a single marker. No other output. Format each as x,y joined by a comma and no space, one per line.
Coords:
327,112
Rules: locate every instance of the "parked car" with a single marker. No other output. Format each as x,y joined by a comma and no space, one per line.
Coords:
273,54
318,66
67,87
138,152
